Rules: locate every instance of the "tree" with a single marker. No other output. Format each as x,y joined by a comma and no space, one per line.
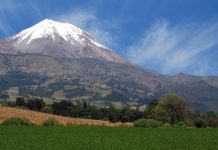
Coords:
20,101
62,108
150,109
36,104
211,119
171,108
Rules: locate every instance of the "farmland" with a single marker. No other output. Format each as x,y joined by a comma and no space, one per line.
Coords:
106,138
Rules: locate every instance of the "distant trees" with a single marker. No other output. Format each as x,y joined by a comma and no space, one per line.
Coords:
32,103
85,110
20,101
35,104
170,111
211,119
62,108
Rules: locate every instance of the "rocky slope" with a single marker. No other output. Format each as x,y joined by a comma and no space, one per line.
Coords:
61,61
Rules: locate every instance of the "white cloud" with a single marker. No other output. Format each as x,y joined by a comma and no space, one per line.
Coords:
87,20
173,49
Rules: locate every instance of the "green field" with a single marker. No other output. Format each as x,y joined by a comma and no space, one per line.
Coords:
103,138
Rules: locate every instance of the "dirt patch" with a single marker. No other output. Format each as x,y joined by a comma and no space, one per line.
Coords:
39,117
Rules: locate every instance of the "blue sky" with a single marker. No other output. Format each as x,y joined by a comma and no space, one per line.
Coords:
168,36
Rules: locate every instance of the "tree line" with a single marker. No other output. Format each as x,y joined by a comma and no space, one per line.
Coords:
81,110
171,110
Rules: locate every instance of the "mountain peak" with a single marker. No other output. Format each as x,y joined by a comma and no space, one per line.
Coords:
51,30
61,40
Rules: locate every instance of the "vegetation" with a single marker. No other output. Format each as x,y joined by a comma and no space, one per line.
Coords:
170,111
84,110
50,122
20,101
17,122
75,92
103,138
147,123
17,78
171,108
35,104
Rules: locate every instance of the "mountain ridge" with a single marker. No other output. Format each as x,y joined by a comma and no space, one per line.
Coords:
102,79
57,39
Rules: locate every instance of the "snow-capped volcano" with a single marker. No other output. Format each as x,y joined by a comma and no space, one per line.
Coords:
62,40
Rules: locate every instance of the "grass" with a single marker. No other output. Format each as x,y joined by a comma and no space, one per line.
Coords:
106,138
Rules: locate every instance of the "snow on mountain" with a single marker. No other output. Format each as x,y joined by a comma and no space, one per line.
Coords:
58,39
48,28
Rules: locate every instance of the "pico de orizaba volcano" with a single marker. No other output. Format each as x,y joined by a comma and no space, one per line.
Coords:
62,62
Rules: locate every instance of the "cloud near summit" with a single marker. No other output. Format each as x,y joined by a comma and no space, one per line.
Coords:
179,48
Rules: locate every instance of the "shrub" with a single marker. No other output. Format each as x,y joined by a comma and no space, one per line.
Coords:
166,125
35,104
212,122
47,109
17,122
20,101
200,123
50,122
147,123
180,125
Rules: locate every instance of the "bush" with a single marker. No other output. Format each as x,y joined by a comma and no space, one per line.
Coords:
166,125
200,123
212,122
180,125
147,123
47,109
35,104
20,101
17,122
50,122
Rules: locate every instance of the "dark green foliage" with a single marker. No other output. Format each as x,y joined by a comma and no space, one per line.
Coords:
200,123
17,122
50,122
20,101
147,123
84,110
35,104
62,108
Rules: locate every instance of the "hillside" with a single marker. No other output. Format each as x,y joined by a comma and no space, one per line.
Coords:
101,82
38,118
59,61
